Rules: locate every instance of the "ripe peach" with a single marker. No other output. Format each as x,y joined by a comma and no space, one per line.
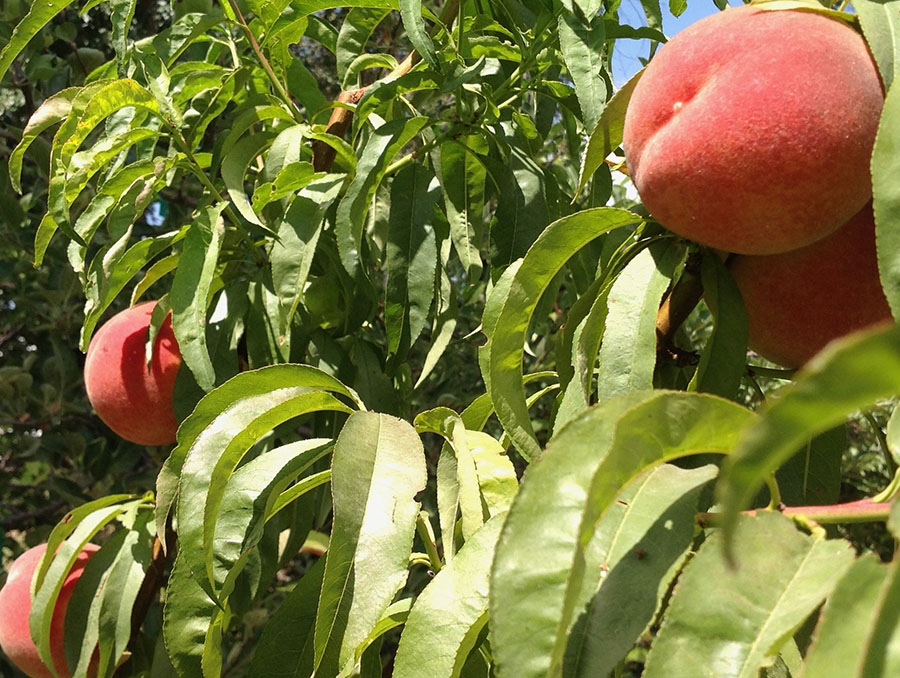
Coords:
133,401
751,130
799,301
15,606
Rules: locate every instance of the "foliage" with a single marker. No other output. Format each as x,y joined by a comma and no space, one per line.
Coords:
447,407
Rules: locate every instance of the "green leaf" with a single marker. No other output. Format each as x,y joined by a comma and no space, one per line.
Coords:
45,231
68,524
849,374
86,164
411,258
386,90
462,177
378,467
782,576
187,617
886,198
585,466
119,266
122,584
880,24
449,614
311,6
368,659
628,353
383,145
121,14
639,545
234,166
583,48
724,358
465,492
250,496
190,292
292,253
813,475
214,456
587,318
411,14
512,309
209,422
855,608
607,135
83,612
39,15
285,649
93,104
497,479
289,180
55,565
51,111
445,321
355,32
159,269
677,7
521,214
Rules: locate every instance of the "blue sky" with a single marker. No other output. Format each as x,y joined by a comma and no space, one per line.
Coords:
626,59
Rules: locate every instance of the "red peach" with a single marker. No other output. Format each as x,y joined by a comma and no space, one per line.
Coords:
799,301
15,606
133,401
751,130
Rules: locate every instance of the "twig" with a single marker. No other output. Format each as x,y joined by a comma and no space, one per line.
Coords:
342,116
862,511
18,520
11,333
267,67
677,306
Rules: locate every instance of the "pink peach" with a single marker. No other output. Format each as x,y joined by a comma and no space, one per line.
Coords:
751,130
134,401
15,606
799,301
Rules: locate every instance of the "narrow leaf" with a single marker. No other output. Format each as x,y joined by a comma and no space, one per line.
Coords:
781,578
607,135
411,14
841,641
627,356
513,309
190,292
886,198
849,374
378,467
596,455
381,148
411,258
444,624
583,48
724,358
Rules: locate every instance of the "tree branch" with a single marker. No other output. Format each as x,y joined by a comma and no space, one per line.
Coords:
342,116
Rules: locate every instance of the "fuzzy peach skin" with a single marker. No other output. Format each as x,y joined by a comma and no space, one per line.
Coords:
799,301
751,130
15,606
133,401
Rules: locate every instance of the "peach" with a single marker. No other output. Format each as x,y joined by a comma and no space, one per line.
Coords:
799,301
751,130
134,401
15,606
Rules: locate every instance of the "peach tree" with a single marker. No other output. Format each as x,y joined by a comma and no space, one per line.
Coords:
452,402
